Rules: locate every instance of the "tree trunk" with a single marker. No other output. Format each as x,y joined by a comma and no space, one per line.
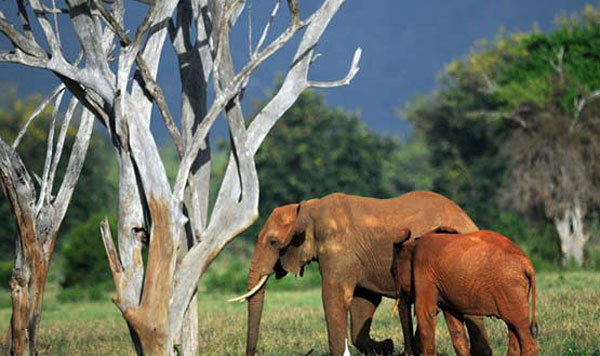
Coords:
570,228
27,292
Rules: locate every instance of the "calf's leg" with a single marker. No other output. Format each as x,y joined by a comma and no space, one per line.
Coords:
457,333
426,310
480,344
513,342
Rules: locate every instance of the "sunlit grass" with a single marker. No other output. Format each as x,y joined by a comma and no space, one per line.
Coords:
293,323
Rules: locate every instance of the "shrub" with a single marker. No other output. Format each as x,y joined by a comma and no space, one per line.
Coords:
6,268
85,263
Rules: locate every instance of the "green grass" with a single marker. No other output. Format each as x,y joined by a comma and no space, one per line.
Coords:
293,323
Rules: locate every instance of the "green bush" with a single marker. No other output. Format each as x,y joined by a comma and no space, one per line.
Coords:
6,268
85,262
81,294
73,294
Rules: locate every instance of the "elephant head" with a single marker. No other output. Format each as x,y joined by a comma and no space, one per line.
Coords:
285,244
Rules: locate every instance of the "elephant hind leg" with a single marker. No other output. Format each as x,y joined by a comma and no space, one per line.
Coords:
513,342
456,329
363,306
480,344
515,313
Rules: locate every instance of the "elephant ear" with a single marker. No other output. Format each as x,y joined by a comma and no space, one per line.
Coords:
299,245
299,225
284,219
399,241
303,219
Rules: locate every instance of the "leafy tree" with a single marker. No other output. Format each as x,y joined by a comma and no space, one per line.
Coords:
521,113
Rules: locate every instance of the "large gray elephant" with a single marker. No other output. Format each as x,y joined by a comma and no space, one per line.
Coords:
351,238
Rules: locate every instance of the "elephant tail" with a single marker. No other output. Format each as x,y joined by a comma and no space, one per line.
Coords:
533,327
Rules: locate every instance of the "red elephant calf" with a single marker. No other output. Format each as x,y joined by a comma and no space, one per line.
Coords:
481,273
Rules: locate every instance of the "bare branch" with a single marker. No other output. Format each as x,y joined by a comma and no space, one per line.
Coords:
163,10
96,64
44,190
24,18
35,113
114,261
296,79
344,81
20,57
265,31
74,166
61,140
152,88
249,31
158,96
294,10
113,256
21,42
581,103
46,26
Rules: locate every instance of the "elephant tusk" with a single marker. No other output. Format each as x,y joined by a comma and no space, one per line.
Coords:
243,298
395,310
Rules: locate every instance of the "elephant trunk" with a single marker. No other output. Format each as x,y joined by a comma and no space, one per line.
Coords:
259,268
255,308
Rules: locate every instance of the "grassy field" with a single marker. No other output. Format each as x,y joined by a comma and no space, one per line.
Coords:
293,323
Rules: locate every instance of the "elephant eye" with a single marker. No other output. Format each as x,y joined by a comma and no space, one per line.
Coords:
273,240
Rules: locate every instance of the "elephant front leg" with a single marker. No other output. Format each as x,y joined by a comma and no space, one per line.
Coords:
336,303
362,308
480,344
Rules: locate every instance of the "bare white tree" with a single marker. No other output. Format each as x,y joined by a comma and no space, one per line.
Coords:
158,298
39,215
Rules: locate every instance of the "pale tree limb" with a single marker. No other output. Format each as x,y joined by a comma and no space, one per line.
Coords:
153,45
40,108
265,31
579,104
44,197
151,87
25,44
221,101
46,26
61,141
344,81
24,18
